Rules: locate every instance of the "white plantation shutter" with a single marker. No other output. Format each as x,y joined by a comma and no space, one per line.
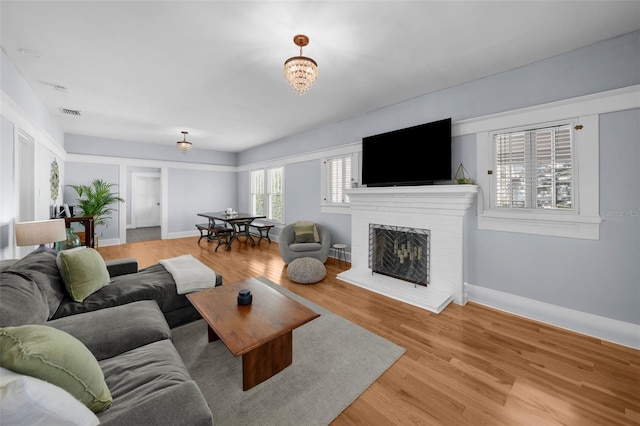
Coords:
275,196
534,168
257,192
338,178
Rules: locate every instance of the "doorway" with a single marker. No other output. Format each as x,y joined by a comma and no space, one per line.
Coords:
146,210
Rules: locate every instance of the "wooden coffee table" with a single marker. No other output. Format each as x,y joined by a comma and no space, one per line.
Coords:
261,332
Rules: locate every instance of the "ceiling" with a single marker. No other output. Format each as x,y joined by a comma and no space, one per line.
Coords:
146,70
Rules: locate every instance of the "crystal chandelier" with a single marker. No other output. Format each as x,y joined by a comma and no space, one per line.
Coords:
184,145
301,72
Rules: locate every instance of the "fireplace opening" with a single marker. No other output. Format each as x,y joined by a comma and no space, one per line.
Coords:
398,252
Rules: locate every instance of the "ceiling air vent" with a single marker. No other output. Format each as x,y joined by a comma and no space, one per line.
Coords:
70,111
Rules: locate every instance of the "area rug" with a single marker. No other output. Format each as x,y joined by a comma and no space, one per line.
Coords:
334,361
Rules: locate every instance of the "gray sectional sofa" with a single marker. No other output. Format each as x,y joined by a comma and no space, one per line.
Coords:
125,325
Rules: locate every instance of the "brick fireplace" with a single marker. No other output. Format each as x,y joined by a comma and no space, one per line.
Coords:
440,209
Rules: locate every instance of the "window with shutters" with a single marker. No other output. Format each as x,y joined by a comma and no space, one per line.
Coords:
534,168
267,195
539,178
338,178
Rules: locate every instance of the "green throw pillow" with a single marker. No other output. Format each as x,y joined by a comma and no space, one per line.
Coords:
83,271
56,357
315,228
304,234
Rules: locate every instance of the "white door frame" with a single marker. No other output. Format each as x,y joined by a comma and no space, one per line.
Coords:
164,196
134,176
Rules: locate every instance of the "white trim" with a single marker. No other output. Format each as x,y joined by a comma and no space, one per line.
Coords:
349,148
164,200
583,222
584,227
138,162
597,103
182,234
122,209
109,242
12,112
134,184
612,330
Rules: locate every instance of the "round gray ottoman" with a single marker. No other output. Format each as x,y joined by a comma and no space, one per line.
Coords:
306,270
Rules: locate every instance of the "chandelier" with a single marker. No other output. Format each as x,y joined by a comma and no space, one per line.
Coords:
184,145
301,72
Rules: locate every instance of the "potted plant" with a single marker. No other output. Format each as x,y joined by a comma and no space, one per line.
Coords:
96,200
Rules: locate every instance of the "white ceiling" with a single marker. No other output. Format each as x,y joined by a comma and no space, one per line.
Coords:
145,70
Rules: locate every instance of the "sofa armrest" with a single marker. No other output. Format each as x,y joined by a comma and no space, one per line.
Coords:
125,266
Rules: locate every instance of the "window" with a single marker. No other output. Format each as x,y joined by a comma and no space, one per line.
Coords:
534,168
267,196
337,176
541,178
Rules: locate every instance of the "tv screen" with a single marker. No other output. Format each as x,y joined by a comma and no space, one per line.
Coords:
418,155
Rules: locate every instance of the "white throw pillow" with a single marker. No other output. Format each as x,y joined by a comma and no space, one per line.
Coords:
25,400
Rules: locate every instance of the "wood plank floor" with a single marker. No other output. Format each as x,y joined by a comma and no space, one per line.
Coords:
468,365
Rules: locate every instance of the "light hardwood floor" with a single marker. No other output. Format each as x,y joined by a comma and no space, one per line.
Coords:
468,365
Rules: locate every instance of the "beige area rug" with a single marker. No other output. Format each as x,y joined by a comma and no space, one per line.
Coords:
334,361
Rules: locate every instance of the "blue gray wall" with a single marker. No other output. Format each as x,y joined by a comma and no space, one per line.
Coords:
598,277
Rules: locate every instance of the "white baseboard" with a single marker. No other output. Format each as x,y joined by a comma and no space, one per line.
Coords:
108,242
616,331
183,234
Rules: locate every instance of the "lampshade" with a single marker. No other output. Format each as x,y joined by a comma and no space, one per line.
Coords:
184,145
301,72
40,232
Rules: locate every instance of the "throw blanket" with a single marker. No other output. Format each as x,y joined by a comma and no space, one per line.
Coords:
189,273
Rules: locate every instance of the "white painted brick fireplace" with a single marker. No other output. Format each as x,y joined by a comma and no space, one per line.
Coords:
439,208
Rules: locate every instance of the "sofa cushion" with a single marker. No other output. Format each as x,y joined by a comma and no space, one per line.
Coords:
58,358
42,269
83,271
21,300
152,283
151,386
302,247
25,400
122,328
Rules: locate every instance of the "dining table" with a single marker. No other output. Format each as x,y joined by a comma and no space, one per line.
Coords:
238,222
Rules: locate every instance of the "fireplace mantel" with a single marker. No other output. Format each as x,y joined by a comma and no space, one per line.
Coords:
439,208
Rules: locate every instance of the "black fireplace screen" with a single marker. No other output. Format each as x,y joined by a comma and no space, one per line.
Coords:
398,252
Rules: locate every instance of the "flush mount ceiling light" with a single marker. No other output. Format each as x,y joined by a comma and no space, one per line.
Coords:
184,145
301,72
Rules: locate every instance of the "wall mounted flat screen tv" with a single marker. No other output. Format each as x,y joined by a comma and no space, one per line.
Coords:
418,155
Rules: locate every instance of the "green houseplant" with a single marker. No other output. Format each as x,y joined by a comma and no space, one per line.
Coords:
96,200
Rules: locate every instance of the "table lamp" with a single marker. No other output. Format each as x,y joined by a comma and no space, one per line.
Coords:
40,232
